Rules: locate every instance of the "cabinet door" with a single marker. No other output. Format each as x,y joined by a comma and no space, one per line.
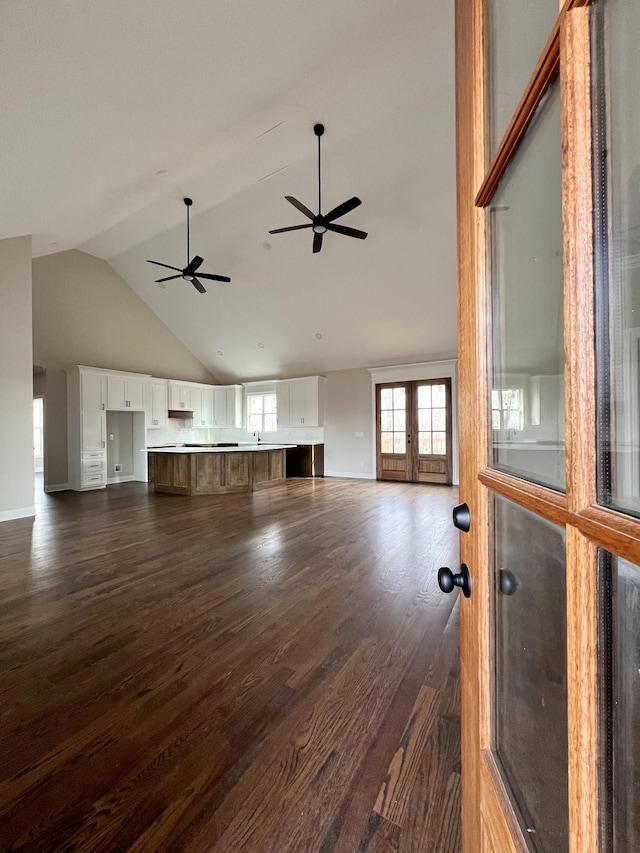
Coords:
116,392
135,394
180,397
207,407
93,431
160,397
220,407
303,403
92,392
232,414
196,405
283,395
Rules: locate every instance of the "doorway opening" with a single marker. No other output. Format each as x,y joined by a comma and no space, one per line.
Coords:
38,441
413,431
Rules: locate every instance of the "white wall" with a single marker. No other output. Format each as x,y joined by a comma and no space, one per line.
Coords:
84,313
349,427
16,380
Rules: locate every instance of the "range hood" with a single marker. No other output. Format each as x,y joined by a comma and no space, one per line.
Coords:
183,414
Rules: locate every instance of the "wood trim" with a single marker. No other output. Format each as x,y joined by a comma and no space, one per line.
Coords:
469,152
582,694
544,72
497,810
545,502
577,204
611,530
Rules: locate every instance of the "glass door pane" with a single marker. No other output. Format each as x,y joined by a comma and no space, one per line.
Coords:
622,700
518,31
617,182
531,664
527,390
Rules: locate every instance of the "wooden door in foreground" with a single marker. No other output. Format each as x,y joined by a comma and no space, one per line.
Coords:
413,431
548,224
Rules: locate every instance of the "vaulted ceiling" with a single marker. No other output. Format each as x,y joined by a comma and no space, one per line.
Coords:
113,112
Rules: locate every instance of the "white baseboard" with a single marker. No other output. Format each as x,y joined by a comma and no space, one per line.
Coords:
22,512
349,475
57,487
126,478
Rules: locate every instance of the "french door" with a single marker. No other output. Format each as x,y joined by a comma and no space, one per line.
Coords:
413,431
548,183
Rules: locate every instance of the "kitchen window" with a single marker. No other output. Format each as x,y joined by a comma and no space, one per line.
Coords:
262,412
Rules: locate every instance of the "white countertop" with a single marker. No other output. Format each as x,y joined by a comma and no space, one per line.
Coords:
243,448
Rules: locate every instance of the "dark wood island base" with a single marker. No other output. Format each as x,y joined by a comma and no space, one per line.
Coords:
218,473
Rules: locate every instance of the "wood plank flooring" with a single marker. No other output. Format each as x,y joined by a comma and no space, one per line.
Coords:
275,671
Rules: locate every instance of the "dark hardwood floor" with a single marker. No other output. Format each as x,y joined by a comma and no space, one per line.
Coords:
275,671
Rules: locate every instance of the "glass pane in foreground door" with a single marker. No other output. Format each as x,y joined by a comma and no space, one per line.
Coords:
622,701
531,664
617,186
518,30
527,392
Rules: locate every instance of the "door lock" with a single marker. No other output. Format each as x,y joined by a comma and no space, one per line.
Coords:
447,581
462,517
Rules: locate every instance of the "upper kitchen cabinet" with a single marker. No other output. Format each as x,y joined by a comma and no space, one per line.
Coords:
180,396
93,390
202,405
156,402
227,405
125,392
301,402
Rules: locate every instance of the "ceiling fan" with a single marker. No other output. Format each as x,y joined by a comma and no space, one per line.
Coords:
321,223
188,273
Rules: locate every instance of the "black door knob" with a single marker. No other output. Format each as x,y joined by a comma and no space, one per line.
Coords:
462,517
447,581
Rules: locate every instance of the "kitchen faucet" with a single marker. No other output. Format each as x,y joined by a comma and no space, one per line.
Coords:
257,433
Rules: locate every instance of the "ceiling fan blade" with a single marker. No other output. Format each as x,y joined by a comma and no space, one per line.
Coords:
168,278
348,232
197,285
213,277
164,265
343,208
193,265
300,206
291,228
317,242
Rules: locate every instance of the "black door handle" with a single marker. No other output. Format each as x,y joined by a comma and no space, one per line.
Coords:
462,517
447,581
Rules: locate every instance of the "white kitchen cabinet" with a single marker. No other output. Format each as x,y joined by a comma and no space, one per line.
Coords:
93,391
156,403
180,396
227,405
86,428
94,432
90,393
207,419
300,402
125,392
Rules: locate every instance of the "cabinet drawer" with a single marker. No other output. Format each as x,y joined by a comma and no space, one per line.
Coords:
93,454
91,478
91,466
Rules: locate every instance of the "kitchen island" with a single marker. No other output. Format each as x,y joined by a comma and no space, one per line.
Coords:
211,470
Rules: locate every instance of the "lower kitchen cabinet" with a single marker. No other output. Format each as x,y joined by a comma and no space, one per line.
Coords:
305,461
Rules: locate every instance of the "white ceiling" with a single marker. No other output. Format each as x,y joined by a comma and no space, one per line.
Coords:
112,112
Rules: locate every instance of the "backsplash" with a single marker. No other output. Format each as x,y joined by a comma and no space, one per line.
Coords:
175,433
